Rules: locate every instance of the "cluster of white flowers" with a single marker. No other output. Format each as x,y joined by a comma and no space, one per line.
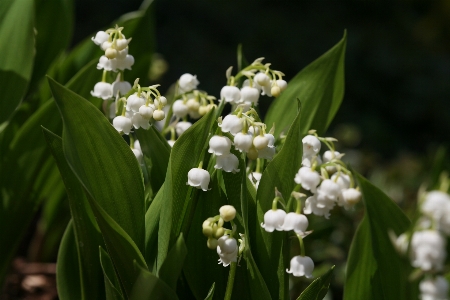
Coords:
278,219
427,242
115,59
333,183
139,108
222,239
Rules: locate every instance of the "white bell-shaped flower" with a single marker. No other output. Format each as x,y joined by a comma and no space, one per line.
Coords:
146,112
266,153
437,206
121,55
230,94
428,250
137,145
243,141
301,266
181,127
105,45
122,43
138,154
271,139
107,64
349,198
307,160
273,219
311,145
232,124
199,178
219,145
253,130
227,249
255,178
227,162
187,82
267,89
138,121
255,84
282,84
401,243
227,212
262,79
122,87
328,191
249,94
312,207
434,288
134,102
308,178
260,142
122,124
296,222
343,180
179,109
125,63
100,38
102,90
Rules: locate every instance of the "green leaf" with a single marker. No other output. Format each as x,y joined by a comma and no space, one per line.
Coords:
320,88
152,218
22,163
121,248
149,287
374,269
211,292
272,256
156,148
185,155
67,271
17,49
172,266
112,285
102,161
86,231
318,288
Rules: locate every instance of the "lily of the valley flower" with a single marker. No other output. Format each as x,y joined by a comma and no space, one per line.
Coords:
296,222
230,94
308,178
243,141
434,288
219,145
198,178
227,249
273,219
428,250
227,162
102,90
122,124
188,82
301,266
232,124
180,109
311,146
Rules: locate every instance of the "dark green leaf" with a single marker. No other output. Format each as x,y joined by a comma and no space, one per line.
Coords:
320,88
86,231
112,285
149,287
67,271
17,53
272,256
374,269
172,266
318,288
101,159
152,218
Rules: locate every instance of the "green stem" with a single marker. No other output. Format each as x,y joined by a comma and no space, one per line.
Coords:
302,246
230,282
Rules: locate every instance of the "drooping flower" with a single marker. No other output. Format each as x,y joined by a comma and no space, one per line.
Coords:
180,109
437,206
100,38
134,102
181,127
198,178
312,207
227,162
428,250
227,212
260,142
122,87
227,249
122,124
301,266
230,94
311,145
219,145
349,198
102,90
243,141
273,219
434,288
266,153
138,121
188,82
249,94
296,222
232,124
308,178
262,79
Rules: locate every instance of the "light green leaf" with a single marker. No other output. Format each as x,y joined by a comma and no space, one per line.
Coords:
211,292
86,231
121,248
101,159
374,269
67,271
172,266
272,256
185,155
320,88
318,288
17,53
149,287
112,285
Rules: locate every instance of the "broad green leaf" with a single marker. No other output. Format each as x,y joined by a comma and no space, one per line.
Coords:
152,218
272,255
172,266
156,148
121,248
318,288
149,287
22,164
374,269
86,231
17,53
102,161
320,88
112,285
211,292
67,271
185,155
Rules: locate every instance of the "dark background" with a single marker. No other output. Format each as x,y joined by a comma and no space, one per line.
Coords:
397,61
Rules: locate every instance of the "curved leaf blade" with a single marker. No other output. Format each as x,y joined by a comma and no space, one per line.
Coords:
318,288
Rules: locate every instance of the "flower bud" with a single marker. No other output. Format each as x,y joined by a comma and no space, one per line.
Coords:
227,213
105,45
146,112
275,91
134,102
193,105
207,231
282,84
179,109
111,53
163,100
219,232
212,243
203,110
260,142
181,127
121,44
100,38
262,79
158,115
187,82
252,153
